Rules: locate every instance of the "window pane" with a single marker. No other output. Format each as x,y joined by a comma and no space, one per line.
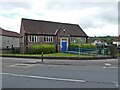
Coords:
49,39
32,38
44,39
29,38
38,39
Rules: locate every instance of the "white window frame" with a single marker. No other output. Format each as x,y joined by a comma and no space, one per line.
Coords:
48,39
38,38
33,38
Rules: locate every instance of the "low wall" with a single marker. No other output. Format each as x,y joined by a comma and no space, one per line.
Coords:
10,51
6,51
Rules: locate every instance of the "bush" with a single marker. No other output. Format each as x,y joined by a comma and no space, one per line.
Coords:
73,45
39,48
85,46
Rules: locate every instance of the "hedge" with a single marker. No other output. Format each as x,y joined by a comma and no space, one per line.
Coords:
85,46
88,45
39,48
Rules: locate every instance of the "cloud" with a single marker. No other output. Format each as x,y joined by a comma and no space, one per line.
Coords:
103,31
12,5
93,16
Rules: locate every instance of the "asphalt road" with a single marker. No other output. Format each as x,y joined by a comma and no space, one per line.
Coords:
25,73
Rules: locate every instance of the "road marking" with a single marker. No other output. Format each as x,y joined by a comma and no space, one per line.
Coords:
109,67
116,84
56,79
21,65
47,78
104,67
113,67
107,64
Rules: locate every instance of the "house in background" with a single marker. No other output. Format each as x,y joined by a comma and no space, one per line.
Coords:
39,32
97,42
9,39
116,41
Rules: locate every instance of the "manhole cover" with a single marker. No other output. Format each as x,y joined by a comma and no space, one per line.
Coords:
21,65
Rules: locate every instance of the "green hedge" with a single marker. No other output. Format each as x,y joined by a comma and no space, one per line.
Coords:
86,45
39,48
73,45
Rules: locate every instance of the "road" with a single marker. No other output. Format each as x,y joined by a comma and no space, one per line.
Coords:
21,73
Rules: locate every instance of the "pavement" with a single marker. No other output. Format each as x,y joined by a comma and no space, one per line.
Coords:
32,73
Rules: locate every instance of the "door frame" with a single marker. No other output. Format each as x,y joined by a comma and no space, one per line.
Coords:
64,39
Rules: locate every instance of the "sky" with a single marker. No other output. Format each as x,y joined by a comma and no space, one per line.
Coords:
95,17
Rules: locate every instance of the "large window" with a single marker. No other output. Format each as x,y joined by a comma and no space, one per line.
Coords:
34,38
48,39
72,39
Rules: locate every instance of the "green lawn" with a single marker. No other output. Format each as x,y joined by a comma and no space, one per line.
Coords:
50,55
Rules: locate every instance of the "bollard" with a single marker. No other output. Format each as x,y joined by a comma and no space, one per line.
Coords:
42,57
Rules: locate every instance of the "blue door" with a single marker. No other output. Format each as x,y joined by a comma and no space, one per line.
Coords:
64,46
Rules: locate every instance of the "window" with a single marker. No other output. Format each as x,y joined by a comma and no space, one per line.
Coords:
48,39
72,39
30,38
34,38
37,39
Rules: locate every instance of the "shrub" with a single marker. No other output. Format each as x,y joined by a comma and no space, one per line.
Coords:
73,45
39,48
85,46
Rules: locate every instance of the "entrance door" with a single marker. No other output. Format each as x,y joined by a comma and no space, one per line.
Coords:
64,46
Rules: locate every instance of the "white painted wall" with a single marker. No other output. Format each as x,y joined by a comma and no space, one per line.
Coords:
9,41
117,43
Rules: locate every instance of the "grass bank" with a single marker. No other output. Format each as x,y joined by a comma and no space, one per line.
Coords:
50,55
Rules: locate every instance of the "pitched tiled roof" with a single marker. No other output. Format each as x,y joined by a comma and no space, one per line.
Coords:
8,33
50,28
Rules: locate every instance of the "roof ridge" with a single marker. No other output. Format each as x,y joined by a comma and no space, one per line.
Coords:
49,21
9,31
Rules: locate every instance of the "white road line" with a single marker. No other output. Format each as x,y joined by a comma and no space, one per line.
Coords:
116,84
48,78
104,67
113,67
107,64
110,67
18,65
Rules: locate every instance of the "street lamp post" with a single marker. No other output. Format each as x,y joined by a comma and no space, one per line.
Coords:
79,45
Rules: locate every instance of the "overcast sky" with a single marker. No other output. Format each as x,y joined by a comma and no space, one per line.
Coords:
95,18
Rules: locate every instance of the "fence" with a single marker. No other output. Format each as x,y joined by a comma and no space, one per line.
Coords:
99,51
10,50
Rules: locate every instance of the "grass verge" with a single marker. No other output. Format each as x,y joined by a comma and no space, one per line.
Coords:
51,55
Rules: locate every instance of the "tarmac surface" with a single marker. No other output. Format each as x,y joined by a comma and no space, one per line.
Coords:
32,73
